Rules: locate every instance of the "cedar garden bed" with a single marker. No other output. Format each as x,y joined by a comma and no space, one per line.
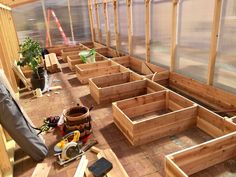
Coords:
75,60
100,68
108,52
120,86
92,45
71,51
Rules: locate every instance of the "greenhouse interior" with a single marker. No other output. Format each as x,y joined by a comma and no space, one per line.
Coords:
80,79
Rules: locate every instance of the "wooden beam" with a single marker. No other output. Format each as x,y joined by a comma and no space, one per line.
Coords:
46,23
174,34
116,25
214,40
98,21
106,23
147,27
15,3
71,22
130,24
90,9
4,7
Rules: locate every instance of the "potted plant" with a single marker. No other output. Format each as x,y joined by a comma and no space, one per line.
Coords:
31,56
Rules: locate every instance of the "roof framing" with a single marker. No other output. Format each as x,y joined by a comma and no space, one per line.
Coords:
15,3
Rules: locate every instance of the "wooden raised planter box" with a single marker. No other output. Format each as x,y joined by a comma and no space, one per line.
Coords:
150,117
71,51
203,156
90,70
108,52
56,49
106,89
92,45
75,60
143,68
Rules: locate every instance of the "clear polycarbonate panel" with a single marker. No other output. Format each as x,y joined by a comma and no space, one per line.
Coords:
138,39
80,20
111,23
60,9
225,70
193,37
102,22
29,22
161,26
123,26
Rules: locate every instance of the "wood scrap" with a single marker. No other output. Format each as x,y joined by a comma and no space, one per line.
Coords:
117,170
42,169
52,64
81,167
145,69
95,150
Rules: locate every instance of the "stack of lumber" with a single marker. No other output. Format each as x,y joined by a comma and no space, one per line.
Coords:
52,64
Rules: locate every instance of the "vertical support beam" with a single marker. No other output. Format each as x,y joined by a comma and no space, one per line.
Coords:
91,20
46,24
106,23
130,24
147,29
174,34
71,22
116,25
98,22
214,40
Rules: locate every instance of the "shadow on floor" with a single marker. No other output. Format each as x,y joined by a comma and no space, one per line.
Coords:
66,70
74,82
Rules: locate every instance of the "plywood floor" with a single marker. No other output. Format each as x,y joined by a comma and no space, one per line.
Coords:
143,161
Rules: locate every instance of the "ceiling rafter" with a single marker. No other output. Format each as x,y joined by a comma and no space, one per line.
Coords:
15,3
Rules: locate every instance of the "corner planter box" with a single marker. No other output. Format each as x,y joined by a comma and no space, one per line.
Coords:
201,157
75,60
108,52
106,89
92,45
71,51
90,70
150,117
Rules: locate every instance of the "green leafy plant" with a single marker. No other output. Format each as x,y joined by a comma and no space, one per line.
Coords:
31,54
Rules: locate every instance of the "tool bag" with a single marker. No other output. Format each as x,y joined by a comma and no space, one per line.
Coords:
78,118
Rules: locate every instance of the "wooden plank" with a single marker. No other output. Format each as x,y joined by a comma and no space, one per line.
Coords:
46,23
13,3
116,23
106,23
98,21
172,170
71,22
200,157
130,24
117,170
42,169
214,41
91,20
174,34
4,7
147,29
211,96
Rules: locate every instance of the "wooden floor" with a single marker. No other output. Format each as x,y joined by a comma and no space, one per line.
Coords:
146,160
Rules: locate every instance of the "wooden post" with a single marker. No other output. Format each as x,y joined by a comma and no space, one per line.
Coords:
174,34
130,24
147,27
214,40
98,22
91,20
46,24
106,23
71,22
116,25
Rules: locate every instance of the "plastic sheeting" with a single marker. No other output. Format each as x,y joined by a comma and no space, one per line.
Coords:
194,37
138,39
123,26
225,71
29,21
161,25
111,24
33,24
